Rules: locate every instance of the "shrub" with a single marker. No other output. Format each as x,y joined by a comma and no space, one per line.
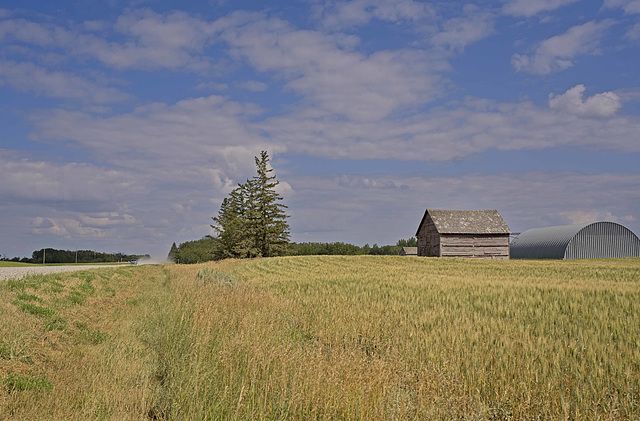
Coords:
210,275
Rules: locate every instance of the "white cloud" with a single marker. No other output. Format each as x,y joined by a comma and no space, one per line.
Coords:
442,134
197,131
557,53
175,40
326,208
36,79
633,34
254,86
529,8
589,216
629,6
344,14
96,226
604,104
348,83
474,24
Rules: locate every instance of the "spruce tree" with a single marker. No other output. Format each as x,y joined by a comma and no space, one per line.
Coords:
251,221
171,257
267,216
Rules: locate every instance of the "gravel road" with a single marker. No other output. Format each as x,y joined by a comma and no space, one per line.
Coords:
19,272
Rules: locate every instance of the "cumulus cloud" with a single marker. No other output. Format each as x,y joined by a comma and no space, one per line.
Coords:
442,134
344,14
526,200
93,227
589,216
629,6
36,79
192,131
529,8
474,24
348,83
175,40
254,86
557,53
633,34
604,104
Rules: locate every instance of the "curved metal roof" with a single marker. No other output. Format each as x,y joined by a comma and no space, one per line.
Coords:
580,241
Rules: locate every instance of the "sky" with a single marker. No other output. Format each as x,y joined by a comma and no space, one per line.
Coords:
124,123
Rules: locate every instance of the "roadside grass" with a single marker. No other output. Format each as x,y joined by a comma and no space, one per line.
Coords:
80,358
326,337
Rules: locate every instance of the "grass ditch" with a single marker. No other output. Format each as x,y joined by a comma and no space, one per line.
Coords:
52,325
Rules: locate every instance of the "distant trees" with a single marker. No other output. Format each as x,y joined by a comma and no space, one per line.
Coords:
197,251
73,256
251,221
346,249
411,242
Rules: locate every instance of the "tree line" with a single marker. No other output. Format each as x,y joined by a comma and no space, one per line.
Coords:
203,250
73,256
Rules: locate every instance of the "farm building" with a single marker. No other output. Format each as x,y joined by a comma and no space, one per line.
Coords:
581,241
409,251
463,233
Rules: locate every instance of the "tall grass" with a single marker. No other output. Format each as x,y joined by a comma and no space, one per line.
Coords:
366,337
402,338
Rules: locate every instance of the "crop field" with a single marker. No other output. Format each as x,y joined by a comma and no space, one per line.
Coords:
325,337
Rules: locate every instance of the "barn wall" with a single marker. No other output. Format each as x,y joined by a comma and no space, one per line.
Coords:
428,239
474,245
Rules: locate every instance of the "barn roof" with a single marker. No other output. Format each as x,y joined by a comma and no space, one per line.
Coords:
486,221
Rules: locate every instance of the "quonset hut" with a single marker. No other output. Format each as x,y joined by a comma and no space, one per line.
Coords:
582,241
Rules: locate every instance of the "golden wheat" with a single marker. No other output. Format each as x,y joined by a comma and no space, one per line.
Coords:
365,337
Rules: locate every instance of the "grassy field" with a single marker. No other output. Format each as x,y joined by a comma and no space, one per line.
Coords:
367,337
5,264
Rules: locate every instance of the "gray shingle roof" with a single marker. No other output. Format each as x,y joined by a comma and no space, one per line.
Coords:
486,221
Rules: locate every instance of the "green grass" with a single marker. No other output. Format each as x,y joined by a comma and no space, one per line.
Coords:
4,264
15,382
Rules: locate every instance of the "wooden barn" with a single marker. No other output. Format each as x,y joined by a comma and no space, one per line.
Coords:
463,233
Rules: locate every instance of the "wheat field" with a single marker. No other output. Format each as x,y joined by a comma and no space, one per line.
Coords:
326,337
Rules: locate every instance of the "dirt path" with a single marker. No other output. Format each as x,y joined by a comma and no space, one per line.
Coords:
19,272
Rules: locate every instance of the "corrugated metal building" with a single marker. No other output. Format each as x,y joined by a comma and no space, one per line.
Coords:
581,241
463,233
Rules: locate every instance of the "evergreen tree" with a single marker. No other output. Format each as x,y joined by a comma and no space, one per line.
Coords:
251,222
267,215
171,257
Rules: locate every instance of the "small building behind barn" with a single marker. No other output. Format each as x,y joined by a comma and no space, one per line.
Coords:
409,251
596,240
463,233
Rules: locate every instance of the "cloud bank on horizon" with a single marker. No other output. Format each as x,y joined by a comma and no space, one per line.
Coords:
125,123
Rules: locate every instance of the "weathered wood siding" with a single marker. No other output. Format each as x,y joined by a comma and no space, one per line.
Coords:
474,245
428,240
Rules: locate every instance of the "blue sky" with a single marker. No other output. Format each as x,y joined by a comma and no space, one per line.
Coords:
125,123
